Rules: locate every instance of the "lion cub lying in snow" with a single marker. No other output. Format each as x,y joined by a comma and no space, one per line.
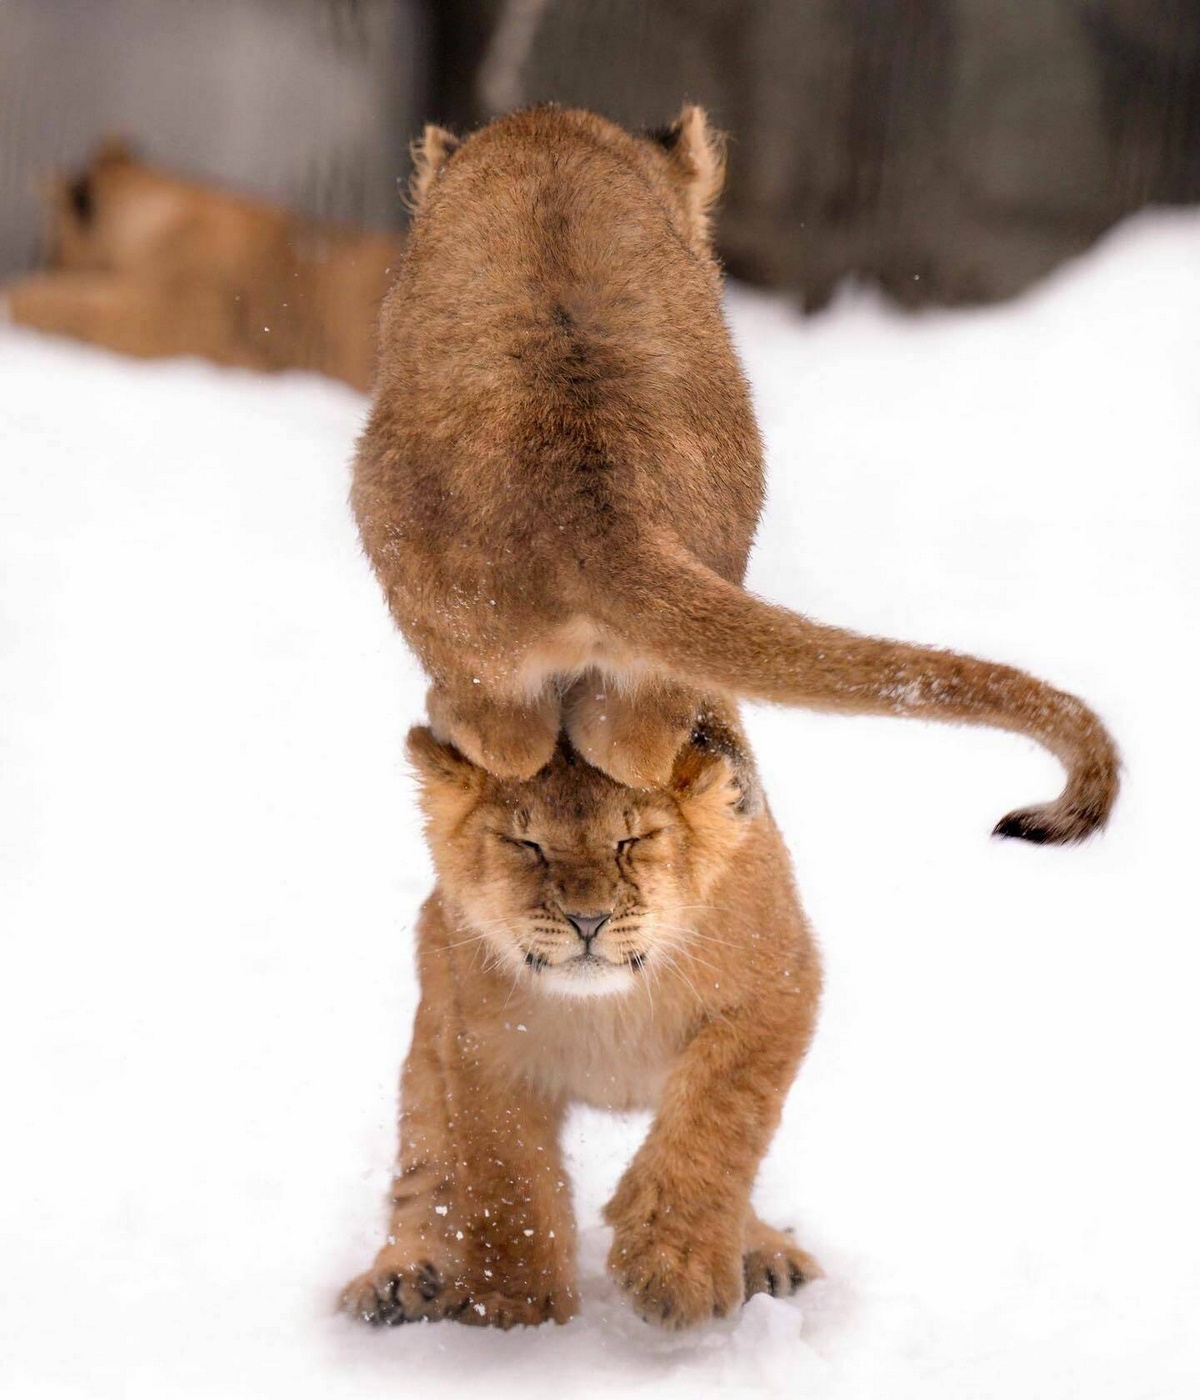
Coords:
148,263
591,943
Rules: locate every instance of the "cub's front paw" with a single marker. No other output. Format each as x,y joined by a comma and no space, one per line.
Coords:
397,1290
503,1310
677,1282
773,1262
679,1268
401,1289
778,1269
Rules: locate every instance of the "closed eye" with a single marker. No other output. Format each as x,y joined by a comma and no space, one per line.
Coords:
624,847
531,846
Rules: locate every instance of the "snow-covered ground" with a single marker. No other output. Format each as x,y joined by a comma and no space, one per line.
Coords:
211,867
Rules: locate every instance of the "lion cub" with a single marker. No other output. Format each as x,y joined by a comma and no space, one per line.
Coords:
626,949
561,477
148,263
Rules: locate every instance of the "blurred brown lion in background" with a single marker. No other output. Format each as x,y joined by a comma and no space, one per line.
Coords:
148,263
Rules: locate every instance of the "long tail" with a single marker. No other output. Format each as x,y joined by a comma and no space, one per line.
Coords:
717,634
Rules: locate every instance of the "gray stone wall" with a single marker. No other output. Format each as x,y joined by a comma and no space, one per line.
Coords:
308,101
947,150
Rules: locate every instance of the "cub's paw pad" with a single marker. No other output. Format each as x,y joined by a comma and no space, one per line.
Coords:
779,1271
388,1296
505,1310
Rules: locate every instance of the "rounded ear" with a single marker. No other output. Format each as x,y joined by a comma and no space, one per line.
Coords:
114,149
73,194
711,805
440,767
696,155
707,778
430,152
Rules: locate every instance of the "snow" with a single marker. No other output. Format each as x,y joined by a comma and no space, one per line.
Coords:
210,867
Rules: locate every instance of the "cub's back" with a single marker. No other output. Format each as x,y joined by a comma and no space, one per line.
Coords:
554,359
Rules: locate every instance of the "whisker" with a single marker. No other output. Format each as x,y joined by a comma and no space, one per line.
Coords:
695,933
649,995
512,989
723,942
693,956
674,966
463,943
692,934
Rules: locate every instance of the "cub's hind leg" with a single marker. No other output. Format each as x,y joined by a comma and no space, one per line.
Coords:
772,1261
508,738
632,732
630,729
635,732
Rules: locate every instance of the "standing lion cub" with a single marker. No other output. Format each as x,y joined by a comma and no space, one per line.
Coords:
589,943
561,477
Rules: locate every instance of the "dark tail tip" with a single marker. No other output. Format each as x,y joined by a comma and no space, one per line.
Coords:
1022,826
1052,825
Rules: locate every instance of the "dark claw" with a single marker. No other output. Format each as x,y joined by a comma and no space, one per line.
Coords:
390,1311
429,1283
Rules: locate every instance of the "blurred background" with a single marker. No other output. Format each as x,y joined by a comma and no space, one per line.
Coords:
948,151
210,853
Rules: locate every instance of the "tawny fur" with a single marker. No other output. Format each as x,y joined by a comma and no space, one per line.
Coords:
150,264
562,475
698,1002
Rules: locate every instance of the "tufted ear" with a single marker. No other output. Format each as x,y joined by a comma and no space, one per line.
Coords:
696,156
430,152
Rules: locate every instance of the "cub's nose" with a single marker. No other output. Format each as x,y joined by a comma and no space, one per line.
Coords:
587,926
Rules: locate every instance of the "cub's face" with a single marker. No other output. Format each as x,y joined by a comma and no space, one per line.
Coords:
569,880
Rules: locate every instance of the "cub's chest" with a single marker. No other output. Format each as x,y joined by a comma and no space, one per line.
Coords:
603,1053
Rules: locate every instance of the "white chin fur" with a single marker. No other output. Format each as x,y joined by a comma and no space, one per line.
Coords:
587,981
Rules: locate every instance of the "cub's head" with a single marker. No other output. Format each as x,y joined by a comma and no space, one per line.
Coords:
571,880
